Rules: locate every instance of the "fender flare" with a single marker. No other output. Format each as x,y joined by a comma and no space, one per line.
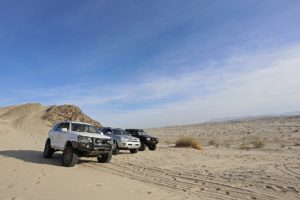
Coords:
74,144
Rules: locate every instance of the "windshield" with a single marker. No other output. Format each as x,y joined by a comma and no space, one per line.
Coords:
83,128
120,132
143,133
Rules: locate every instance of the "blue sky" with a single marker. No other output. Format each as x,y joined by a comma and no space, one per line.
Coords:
152,63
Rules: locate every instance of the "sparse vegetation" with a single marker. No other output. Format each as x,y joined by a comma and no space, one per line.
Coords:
217,145
297,144
245,146
188,142
227,143
254,143
282,145
168,142
211,142
258,143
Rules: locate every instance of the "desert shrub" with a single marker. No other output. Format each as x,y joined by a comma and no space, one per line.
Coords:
217,145
258,143
297,144
282,145
168,142
245,146
188,142
227,143
211,142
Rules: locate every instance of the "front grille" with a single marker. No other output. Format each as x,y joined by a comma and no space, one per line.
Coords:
133,140
98,141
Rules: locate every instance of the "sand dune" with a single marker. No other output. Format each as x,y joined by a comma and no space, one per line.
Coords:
272,172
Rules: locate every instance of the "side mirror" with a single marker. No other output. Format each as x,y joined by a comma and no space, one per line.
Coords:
64,130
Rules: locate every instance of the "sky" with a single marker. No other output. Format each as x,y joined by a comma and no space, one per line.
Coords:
139,63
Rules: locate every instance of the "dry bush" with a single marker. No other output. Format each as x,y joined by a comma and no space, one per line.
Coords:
254,143
217,145
168,142
211,142
258,143
245,146
227,143
297,144
282,145
188,142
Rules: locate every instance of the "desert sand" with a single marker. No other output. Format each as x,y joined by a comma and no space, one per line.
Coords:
219,171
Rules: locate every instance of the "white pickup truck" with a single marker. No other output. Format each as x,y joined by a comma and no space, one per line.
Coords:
77,139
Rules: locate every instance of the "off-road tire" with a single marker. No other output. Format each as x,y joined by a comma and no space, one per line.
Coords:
69,158
152,147
104,157
143,147
134,150
116,150
48,150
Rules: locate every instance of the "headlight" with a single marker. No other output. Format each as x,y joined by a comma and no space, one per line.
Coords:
148,138
109,141
124,139
83,139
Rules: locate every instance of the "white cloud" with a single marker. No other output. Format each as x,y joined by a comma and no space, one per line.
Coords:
252,85
265,82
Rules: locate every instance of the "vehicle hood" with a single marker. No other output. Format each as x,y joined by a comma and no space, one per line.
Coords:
94,135
127,137
148,136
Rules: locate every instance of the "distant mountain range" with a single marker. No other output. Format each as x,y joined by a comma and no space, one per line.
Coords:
252,117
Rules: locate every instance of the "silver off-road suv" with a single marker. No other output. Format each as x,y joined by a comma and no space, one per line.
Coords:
77,139
122,140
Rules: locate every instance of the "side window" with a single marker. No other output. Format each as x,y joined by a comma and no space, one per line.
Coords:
66,125
62,125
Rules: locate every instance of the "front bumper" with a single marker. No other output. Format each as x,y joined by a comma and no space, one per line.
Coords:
92,147
129,145
91,150
151,142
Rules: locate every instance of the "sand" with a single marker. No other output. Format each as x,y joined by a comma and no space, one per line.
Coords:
224,172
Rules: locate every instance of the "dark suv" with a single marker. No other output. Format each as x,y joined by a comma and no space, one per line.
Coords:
145,138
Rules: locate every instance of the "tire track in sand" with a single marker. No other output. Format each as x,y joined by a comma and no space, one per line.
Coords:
184,182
